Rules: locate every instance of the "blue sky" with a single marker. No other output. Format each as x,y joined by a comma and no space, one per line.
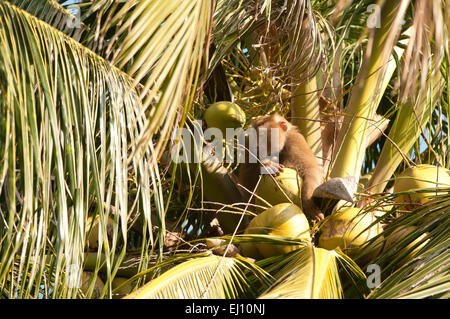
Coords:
71,2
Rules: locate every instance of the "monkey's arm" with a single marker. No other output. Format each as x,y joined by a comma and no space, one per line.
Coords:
299,156
310,182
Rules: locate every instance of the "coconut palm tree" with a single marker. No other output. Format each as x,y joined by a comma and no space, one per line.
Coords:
93,205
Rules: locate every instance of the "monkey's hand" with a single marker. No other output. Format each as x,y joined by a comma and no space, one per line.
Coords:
271,167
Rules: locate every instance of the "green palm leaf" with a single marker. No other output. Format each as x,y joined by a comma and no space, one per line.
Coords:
67,115
310,273
86,112
206,277
54,14
161,44
427,273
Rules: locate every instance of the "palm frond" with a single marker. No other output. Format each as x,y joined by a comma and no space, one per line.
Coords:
207,277
67,119
366,94
162,46
54,14
310,273
420,93
417,265
234,20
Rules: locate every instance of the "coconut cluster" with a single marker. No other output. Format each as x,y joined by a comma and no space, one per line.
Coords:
349,228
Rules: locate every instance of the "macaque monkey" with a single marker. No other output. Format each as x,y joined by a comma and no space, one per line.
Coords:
289,149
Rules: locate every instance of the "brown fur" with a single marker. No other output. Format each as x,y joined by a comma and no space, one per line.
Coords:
293,152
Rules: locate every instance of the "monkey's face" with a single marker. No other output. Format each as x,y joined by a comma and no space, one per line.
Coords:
271,131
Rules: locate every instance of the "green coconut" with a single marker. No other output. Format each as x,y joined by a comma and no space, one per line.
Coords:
282,220
417,178
283,188
250,250
92,230
348,229
223,115
86,279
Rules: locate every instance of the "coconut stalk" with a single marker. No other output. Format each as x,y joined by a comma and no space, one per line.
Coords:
423,63
404,133
305,109
305,46
379,125
376,71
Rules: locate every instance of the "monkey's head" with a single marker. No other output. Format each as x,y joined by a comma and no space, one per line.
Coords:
272,125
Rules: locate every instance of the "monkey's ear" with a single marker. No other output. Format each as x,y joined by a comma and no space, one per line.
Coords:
284,125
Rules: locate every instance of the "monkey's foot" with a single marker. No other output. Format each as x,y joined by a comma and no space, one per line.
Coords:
312,211
315,216
319,217
271,167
